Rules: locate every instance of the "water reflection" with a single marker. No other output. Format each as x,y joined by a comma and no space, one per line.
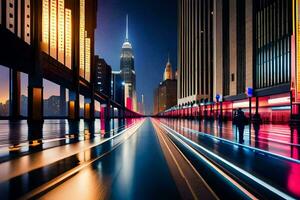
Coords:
20,136
280,139
35,135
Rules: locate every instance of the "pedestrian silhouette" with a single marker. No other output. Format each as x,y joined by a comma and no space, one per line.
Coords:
257,121
240,121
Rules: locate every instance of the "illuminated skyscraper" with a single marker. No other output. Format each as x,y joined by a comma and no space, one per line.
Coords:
168,74
165,95
127,68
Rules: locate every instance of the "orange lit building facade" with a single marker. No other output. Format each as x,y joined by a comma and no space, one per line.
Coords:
15,15
58,36
66,25
57,43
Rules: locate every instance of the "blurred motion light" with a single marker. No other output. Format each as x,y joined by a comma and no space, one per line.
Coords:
280,100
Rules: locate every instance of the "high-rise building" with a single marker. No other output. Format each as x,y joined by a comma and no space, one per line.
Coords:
195,51
215,39
237,53
102,76
168,74
117,88
56,42
165,95
127,69
233,53
276,60
16,17
156,101
255,58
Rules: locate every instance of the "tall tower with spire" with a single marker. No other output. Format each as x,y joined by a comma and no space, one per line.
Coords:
168,74
128,71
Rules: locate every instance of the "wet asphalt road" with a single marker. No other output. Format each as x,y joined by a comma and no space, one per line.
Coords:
136,169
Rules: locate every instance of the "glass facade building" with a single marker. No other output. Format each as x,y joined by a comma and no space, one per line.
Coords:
273,31
230,47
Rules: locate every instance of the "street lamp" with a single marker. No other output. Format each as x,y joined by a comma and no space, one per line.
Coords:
217,102
250,94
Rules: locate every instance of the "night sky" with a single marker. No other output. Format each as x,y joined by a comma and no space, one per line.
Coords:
152,33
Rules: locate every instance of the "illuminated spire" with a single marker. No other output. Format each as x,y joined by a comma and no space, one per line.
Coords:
126,44
127,28
168,74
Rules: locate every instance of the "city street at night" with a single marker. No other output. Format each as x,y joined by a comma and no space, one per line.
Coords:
149,99
137,156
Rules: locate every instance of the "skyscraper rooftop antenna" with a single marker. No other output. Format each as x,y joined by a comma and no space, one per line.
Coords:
168,57
127,28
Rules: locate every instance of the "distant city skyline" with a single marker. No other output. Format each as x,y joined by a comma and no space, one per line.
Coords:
51,106
153,34
153,37
51,88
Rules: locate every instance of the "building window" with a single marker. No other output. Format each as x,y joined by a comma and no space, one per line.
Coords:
273,39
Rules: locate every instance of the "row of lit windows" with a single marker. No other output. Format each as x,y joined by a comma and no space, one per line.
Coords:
85,45
53,28
68,38
14,17
57,31
82,38
87,59
61,31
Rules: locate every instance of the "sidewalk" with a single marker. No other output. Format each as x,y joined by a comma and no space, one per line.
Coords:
278,139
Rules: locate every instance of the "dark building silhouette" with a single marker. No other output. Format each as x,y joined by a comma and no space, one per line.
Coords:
52,106
167,95
24,104
156,101
4,109
103,75
117,88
